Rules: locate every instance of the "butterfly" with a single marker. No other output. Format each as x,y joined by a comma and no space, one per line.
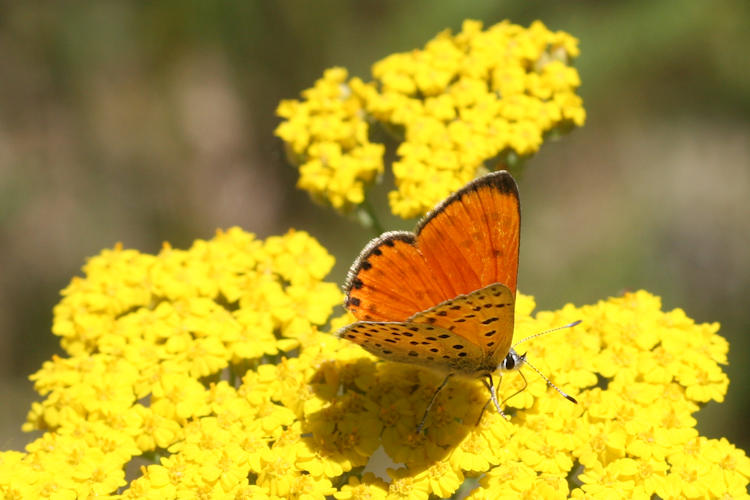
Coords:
444,296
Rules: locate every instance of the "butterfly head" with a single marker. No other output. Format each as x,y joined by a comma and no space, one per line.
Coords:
513,361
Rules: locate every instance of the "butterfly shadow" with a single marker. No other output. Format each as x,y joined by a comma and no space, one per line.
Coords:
364,405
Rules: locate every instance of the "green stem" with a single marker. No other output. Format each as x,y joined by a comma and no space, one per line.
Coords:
367,217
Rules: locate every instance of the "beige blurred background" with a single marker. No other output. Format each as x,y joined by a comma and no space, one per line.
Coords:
149,122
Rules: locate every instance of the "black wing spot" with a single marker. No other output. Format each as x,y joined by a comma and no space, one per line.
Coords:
350,336
458,346
500,306
366,265
368,334
389,243
434,349
431,338
470,316
386,351
442,313
490,333
429,328
413,354
354,301
357,283
490,344
462,354
477,308
489,320
460,320
487,306
430,319
378,345
377,251
445,356
456,307
414,342
426,343
391,341
444,336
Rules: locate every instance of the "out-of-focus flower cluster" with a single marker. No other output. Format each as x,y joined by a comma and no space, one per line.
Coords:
467,100
327,136
206,368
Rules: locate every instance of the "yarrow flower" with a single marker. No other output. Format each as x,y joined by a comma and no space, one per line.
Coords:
327,136
464,103
207,367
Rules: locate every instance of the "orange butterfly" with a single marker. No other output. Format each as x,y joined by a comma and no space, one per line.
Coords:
444,297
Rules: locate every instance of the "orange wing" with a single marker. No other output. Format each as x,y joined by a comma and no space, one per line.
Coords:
416,343
484,317
469,334
467,242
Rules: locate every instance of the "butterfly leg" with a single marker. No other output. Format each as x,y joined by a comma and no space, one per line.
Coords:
420,427
486,404
493,394
519,391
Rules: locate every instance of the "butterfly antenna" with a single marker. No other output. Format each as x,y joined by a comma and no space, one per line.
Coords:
549,382
545,332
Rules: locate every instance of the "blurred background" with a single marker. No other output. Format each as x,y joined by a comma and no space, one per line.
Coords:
145,122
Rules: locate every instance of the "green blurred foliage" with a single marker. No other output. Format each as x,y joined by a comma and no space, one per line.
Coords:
145,122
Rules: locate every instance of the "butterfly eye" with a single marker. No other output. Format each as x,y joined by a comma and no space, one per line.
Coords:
512,361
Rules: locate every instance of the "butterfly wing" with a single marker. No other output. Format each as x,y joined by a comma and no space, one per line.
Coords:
391,280
472,238
415,343
484,317
468,241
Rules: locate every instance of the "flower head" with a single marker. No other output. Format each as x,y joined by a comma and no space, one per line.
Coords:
465,102
209,362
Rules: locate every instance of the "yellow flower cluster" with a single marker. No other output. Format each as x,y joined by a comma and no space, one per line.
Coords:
155,347
464,102
327,136
206,368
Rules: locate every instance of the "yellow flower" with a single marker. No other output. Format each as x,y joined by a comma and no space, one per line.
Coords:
369,488
404,485
267,425
327,136
443,478
461,101
509,481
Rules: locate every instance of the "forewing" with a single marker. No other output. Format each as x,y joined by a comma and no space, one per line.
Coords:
391,280
472,238
468,241
416,343
483,317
